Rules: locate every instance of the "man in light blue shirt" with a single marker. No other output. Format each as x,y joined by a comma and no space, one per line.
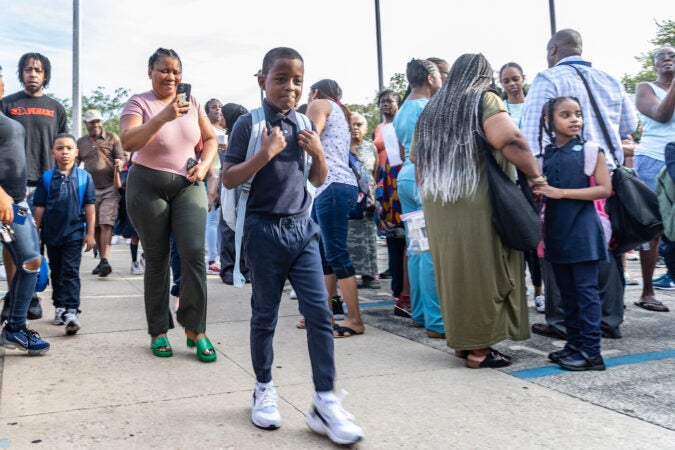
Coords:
560,79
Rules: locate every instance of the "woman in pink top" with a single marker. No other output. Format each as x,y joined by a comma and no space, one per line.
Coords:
166,195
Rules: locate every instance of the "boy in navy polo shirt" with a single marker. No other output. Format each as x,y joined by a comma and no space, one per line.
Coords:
59,217
285,243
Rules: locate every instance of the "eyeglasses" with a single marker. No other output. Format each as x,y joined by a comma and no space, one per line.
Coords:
445,72
663,55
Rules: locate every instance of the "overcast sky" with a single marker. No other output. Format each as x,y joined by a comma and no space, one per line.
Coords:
222,43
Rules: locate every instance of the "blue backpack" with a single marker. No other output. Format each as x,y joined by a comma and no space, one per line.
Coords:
82,179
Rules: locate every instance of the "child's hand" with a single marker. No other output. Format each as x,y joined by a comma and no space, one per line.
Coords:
548,191
310,142
274,142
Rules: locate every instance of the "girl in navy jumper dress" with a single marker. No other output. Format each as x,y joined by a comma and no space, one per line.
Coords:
574,239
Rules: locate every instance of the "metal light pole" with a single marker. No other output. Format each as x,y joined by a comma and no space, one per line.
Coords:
378,32
77,107
551,13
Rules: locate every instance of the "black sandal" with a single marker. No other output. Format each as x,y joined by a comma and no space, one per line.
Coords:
493,360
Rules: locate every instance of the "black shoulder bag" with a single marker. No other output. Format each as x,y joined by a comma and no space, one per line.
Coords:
514,213
633,208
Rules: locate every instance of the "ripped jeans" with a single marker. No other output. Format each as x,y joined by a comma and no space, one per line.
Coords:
24,248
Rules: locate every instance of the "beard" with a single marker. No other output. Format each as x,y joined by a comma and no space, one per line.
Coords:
33,89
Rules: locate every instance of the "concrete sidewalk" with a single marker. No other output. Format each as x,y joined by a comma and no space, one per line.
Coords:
102,388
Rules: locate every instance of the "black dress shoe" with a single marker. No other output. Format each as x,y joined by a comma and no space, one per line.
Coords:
544,329
228,278
560,354
580,362
34,309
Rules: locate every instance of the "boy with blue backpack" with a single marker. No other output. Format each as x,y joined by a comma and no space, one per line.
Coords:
65,201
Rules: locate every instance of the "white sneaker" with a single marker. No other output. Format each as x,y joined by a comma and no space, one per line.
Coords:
136,268
329,418
264,408
540,303
72,321
631,256
293,295
58,316
141,262
3,273
115,240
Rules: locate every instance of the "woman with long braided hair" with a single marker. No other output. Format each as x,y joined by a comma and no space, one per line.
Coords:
480,282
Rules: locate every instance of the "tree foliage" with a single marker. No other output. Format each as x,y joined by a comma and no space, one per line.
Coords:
665,37
110,106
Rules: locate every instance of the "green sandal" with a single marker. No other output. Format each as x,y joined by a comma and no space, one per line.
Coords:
204,345
161,347
190,343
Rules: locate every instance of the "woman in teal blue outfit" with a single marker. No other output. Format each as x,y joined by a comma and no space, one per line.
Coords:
425,80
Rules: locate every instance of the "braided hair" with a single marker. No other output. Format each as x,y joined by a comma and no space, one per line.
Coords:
160,52
546,120
417,71
445,134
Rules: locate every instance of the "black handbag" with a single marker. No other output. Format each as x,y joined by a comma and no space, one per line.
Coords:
514,213
633,208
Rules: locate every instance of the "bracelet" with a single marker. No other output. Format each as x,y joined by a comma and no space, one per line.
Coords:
539,180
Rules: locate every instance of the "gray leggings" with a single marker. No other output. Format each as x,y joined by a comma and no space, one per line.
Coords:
160,204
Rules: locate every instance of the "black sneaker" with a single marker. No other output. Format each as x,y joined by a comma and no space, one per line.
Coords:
338,310
385,275
104,268
34,309
96,270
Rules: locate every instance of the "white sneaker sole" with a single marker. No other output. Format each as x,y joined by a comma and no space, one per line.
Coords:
12,345
315,423
270,426
72,328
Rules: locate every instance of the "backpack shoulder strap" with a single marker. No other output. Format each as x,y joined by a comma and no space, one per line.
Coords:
82,180
47,180
257,125
305,124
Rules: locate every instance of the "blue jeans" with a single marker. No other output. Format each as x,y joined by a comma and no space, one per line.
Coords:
425,307
331,212
578,285
280,249
212,234
64,264
24,249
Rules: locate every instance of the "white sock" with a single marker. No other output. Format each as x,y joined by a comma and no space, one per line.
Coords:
325,396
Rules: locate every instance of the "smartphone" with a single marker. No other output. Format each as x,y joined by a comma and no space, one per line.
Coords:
191,162
184,88
20,213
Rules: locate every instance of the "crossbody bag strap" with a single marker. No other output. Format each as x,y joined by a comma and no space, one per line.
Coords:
101,152
599,116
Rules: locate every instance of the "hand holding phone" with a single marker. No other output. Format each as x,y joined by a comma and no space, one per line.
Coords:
191,162
184,90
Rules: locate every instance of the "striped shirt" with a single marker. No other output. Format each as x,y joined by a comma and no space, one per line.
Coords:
610,95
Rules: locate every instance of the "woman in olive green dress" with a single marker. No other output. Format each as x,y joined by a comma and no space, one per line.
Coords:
480,282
